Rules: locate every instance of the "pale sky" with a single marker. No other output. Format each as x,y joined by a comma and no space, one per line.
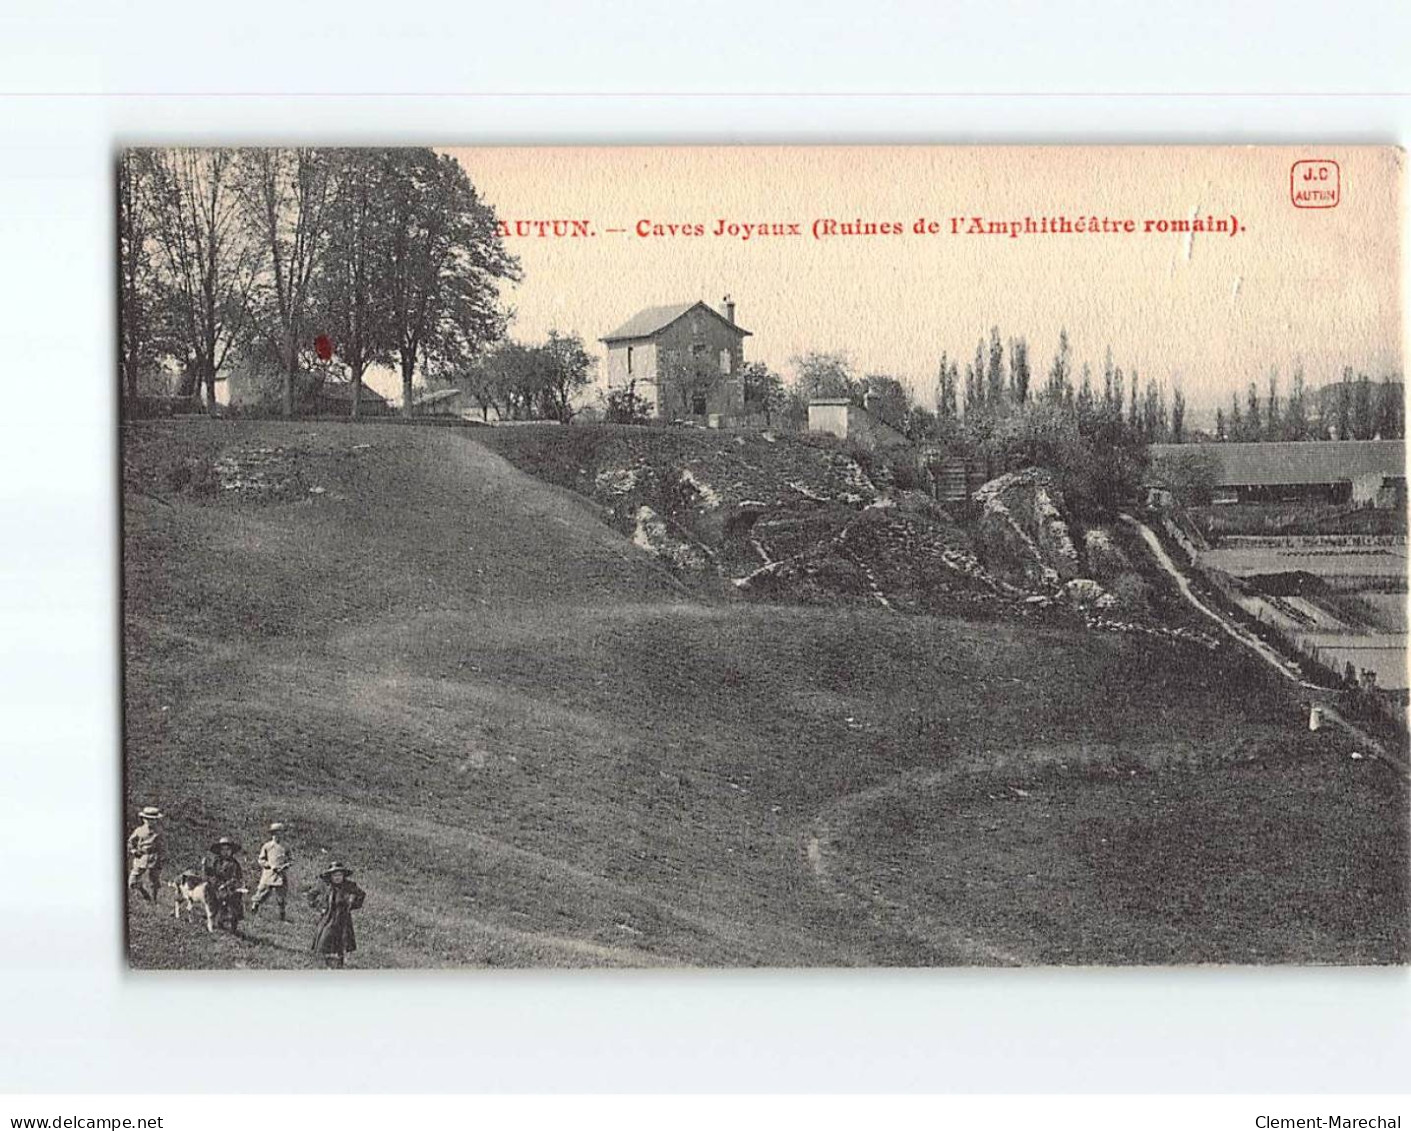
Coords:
1320,286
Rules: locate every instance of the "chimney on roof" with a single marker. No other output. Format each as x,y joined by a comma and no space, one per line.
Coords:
729,309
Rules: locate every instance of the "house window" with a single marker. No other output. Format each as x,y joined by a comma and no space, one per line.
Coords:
629,361
725,361
698,404
698,349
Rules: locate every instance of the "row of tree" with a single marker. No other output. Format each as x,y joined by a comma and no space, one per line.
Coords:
1097,449
997,384
1352,409
306,259
994,388
535,381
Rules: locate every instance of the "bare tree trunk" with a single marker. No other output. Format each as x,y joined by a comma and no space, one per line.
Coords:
407,367
357,391
291,362
130,374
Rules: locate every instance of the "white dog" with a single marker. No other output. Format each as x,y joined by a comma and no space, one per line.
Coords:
192,891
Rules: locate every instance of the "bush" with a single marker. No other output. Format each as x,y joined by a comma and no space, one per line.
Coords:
1131,591
1097,473
906,477
624,406
1189,474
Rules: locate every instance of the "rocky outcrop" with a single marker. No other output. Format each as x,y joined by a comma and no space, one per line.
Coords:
1105,558
653,535
1020,529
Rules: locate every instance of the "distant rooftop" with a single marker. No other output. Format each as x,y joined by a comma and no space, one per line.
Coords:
1294,462
646,323
436,396
343,391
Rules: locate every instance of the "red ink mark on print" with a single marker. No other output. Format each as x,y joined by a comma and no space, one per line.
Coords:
323,346
1315,184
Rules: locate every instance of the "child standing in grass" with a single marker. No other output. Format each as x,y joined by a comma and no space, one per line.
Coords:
222,872
334,937
146,851
275,860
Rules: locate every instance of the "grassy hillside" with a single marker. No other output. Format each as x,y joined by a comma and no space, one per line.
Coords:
536,746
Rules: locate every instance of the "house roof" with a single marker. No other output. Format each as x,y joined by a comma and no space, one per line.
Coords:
1294,462
343,391
436,396
650,322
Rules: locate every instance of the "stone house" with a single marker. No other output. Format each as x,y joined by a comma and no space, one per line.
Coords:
685,361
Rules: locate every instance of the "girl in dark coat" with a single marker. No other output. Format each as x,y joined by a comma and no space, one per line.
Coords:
339,899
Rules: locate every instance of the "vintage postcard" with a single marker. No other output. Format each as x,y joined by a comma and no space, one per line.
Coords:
857,556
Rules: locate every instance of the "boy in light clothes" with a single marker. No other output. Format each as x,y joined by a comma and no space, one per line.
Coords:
274,860
146,851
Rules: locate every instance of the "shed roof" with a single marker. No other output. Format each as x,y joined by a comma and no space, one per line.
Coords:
1295,462
343,391
435,396
650,322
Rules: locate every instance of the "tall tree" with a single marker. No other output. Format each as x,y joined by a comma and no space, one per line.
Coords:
1111,397
1059,374
1391,411
206,262
946,407
994,371
818,374
1342,406
136,283
1296,409
973,391
1363,416
1153,426
568,369
286,194
1253,424
443,261
1019,376
349,298
764,390
1085,404
1273,422
1178,415
888,400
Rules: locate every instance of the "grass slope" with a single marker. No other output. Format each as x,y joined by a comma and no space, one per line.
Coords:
537,749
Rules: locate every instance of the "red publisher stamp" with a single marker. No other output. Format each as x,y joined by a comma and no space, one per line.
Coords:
1315,184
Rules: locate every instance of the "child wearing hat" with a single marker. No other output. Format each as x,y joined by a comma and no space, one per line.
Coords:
340,898
146,852
275,860
223,874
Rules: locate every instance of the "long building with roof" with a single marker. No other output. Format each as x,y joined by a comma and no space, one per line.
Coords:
1367,472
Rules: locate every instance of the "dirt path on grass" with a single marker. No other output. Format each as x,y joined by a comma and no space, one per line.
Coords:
1262,650
932,930
1249,640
